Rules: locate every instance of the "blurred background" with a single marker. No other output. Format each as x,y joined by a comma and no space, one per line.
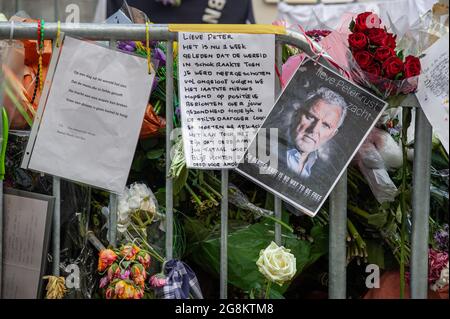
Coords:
264,11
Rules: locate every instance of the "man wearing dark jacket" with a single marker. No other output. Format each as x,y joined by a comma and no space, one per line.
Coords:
192,11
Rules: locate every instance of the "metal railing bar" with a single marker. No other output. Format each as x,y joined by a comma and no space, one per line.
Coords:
278,204
224,236
421,206
113,198
337,281
56,226
169,129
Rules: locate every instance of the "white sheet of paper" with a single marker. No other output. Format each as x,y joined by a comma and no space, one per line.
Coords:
24,234
433,88
227,87
93,116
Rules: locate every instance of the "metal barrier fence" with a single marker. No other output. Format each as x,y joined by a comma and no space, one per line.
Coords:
338,198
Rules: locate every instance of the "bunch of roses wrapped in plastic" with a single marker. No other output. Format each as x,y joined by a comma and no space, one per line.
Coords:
379,64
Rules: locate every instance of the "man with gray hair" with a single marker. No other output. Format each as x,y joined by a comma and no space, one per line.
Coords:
312,126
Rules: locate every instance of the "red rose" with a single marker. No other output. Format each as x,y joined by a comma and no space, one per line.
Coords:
364,59
377,36
365,21
383,53
392,66
374,72
390,41
357,41
412,66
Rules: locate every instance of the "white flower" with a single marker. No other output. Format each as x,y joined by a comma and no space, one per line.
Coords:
443,279
140,190
277,264
134,202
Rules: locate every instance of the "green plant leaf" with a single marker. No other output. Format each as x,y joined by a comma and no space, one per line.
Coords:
155,154
352,25
180,181
149,143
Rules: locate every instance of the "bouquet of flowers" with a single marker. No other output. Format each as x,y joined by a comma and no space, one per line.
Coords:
137,206
377,62
124,271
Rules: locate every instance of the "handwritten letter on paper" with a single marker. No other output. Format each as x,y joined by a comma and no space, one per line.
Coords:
433,88
226,91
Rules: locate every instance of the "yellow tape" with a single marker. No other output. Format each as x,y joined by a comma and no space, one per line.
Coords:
228,28
147,47
58,34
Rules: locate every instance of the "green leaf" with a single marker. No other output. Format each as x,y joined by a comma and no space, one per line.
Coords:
180,181
352,25
149,143
161,195
244,245
138,162
400,55
375,253
155,154
378,220
399,76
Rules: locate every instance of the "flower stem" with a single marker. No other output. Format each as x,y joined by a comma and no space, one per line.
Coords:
197,200
267,293
405,124
279,221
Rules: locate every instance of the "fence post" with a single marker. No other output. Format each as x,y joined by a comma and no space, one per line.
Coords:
169,129
224,236
420,206
278,204
337,283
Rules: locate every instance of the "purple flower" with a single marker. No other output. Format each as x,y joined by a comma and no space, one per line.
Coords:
155,83
178,111
159,55
128,46
441,238
125,275
104,282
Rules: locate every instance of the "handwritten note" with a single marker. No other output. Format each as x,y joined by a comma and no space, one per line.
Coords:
24,235
226,92
433,88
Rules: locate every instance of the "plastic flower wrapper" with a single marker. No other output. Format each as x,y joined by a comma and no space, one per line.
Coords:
380,153
370,52
137,207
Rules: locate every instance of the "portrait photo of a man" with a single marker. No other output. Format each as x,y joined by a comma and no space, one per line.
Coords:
312,126
320,120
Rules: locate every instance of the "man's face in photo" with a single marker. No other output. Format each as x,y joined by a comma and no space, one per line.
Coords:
317,125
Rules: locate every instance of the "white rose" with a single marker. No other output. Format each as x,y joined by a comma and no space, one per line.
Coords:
134,202
140,190
277,264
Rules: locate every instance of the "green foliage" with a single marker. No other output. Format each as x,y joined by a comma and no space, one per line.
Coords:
244,245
